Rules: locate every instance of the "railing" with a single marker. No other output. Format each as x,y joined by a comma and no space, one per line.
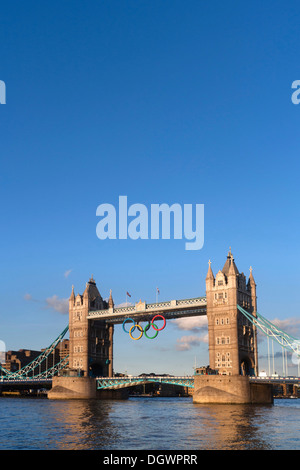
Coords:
275,380
26,380
142,307
130,381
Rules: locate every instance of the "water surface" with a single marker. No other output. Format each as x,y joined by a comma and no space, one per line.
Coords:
147,424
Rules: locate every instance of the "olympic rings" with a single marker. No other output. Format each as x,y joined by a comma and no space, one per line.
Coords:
133,328
147,328
143,331
159,329
126,319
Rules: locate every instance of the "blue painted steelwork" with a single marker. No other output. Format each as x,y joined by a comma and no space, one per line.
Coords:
285,340
36,363
130,381
47,374
188,381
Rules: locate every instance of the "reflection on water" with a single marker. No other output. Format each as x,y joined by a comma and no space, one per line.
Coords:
147,423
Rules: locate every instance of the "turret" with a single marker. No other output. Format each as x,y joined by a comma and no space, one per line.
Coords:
210,279
110,301
233,272
72,299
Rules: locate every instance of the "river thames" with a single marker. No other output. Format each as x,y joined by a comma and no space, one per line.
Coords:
143,423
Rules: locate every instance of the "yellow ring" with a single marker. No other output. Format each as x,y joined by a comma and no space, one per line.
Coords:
136,326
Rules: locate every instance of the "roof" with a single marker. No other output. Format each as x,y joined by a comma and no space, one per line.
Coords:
229,262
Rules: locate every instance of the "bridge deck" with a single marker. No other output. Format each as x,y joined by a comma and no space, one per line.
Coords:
185,381
131,381
141,310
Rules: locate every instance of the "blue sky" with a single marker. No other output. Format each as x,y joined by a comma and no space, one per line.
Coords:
186,102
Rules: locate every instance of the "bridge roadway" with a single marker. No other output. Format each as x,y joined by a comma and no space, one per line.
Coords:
143,311
185,381
130,381
29,383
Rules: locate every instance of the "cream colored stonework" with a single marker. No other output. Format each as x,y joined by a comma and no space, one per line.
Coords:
232,338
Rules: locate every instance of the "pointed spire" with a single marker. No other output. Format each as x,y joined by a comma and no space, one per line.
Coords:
230,266
233,270
86,290
72,294
251,278
110,301
227,263
210,274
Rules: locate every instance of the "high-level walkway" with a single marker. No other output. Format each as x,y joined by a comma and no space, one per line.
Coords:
143,311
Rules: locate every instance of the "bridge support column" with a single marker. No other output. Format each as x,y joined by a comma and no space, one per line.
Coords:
68,388
230,389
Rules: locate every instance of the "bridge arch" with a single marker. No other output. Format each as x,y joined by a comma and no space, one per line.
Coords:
96,369
247,366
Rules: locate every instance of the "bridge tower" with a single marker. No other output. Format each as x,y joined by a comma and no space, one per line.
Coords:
91,341
232,337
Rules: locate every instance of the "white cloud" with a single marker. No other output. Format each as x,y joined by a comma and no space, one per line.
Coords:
185,343
28,297
197,324
191,323
60,305
54,302
67,273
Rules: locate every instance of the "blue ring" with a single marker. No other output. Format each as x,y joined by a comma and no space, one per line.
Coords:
126,319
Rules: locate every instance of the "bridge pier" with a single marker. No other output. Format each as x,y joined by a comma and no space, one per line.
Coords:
230,389
68,388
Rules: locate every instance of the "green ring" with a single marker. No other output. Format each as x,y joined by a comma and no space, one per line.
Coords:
147,328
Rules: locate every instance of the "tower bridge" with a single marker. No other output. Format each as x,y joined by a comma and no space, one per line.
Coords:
230,305
232,337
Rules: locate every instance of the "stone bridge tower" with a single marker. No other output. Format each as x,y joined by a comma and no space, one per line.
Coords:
232,337
91,341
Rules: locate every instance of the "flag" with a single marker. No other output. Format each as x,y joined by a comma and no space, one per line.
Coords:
128,294
158,290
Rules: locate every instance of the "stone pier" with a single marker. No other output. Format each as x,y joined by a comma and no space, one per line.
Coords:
230,389
67,388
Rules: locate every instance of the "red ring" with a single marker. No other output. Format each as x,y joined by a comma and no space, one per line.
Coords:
158,329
